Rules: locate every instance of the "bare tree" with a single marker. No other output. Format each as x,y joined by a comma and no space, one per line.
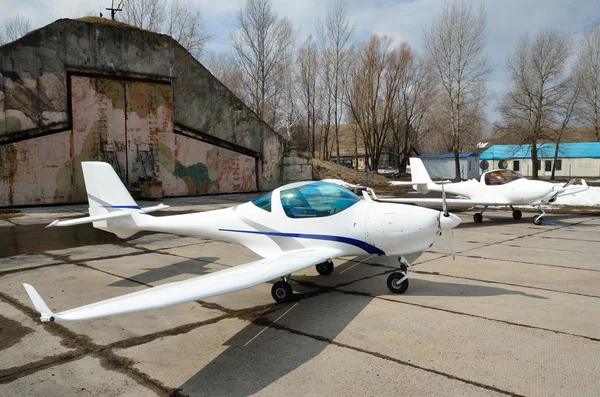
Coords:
589,63
145,14
416,98
335,38
186,26
308,62
371,91
567,108
261,43
14,28
538,88
455,45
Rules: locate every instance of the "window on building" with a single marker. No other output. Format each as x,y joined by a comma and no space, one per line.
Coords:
469,165
548,165
516,165
558,165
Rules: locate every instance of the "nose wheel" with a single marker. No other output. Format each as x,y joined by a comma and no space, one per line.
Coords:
517,214
325,268
282,292
478,218
397,283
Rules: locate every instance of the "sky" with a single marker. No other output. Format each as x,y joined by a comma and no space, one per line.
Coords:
507,21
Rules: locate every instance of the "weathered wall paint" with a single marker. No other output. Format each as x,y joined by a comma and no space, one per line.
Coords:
121,116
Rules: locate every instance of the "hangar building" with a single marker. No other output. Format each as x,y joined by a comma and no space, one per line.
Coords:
93,89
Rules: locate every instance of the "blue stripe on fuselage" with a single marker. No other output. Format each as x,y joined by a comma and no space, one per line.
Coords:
371,249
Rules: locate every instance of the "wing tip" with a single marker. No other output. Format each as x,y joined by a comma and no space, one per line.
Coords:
45,313
55,223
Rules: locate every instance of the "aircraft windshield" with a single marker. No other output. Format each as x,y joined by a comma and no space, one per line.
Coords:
501,177
316,200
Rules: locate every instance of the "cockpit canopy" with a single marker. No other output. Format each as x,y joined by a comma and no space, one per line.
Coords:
501,177
313,200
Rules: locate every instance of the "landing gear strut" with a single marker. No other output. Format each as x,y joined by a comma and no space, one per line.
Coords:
282,291
397,282
325,268
517,214
539,219
478,217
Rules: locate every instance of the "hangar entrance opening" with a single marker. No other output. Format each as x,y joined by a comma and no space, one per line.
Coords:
129,124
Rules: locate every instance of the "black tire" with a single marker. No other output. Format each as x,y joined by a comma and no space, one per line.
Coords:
538,220
282,292
394,286
478,218
325,268
517,214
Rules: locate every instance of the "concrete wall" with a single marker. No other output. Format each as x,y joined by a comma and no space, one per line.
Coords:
40,117
570,168
296,168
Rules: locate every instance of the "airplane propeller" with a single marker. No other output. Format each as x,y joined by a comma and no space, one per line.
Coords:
447,221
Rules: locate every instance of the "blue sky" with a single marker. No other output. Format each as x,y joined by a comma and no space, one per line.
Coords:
403,20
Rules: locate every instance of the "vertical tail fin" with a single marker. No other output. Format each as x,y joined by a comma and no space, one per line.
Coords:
419,175
107,195
105,191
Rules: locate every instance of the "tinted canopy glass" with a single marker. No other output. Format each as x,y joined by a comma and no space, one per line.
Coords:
501,177
316,199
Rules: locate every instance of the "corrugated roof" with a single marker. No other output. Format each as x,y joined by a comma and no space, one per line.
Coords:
545,150
446,155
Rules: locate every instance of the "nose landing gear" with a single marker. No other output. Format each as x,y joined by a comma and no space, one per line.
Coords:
539,219
397,282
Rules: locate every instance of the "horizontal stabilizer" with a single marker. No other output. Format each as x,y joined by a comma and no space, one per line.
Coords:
159,207
90,219
401,183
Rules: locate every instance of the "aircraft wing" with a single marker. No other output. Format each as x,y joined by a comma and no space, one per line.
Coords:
228,280
451,201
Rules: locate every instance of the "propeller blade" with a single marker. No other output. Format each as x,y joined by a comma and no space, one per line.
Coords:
571,181
444,203
450,242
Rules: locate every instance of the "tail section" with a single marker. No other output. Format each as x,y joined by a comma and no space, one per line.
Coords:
105,191
419,175
111,206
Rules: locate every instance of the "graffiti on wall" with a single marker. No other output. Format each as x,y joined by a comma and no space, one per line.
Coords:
128,124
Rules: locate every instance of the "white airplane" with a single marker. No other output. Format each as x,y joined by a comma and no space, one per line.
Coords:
500,187
295,226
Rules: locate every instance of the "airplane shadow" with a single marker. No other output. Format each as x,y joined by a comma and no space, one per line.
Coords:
252,360
195,267
251,363
420,287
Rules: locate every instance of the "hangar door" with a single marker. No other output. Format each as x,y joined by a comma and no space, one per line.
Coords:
129,124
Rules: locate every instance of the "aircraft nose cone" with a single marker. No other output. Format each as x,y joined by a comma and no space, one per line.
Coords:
449,222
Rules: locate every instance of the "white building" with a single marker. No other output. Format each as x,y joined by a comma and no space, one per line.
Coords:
574,159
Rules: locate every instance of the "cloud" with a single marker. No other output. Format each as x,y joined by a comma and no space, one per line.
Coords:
508,20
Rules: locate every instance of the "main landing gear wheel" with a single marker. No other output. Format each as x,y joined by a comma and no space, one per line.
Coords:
478,218
538,219
282,292
325,268
517,214
394,284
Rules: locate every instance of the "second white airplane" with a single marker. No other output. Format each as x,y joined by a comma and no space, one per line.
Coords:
294,227
500,187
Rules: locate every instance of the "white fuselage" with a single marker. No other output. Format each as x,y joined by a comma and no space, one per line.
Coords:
518,192
364,228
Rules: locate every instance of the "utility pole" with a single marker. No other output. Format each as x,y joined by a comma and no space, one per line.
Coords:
114,10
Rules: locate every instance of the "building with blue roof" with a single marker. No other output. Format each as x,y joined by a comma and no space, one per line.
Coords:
441,165
580,159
